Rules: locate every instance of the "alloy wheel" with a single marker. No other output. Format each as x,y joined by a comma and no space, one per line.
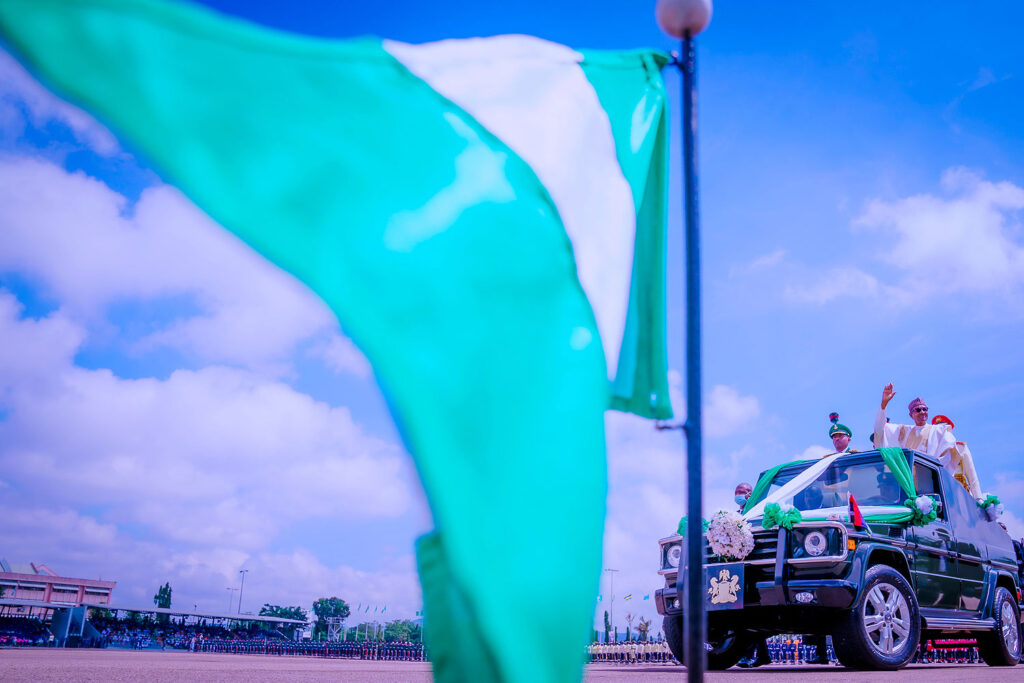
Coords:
1010,631
886,618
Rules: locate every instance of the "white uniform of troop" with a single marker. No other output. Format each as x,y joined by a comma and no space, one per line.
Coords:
631,652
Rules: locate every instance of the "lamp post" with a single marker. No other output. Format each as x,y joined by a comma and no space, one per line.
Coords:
241,588
612,618
684,19
230,596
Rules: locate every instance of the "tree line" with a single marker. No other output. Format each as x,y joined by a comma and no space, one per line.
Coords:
396,630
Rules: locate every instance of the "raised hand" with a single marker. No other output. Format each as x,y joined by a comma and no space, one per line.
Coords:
887,394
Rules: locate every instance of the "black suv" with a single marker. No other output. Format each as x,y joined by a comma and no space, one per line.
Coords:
878,590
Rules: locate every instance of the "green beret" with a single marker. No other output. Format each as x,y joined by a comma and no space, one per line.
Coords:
836,427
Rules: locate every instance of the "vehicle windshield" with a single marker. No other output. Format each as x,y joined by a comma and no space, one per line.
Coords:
869,480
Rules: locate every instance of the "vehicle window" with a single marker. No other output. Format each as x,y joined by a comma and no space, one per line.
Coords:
926,481
783,477
963,509
870,481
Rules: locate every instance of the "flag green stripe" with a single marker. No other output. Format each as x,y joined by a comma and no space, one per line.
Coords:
456,279
630,88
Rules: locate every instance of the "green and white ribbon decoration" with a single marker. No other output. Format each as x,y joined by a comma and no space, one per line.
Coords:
682,526
992,506
775,515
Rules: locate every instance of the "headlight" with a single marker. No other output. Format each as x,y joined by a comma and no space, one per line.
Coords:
673,554
815,544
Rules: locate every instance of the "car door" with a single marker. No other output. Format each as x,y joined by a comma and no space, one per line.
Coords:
933,563
965,516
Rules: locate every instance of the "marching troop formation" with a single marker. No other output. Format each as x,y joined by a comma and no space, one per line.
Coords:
632,652
792,650
410,652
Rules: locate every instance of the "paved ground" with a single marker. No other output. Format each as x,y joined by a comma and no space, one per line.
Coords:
29,665
783,674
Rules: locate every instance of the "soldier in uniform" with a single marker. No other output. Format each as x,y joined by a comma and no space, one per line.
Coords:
840,435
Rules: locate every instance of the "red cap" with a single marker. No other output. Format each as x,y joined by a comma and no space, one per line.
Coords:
942,420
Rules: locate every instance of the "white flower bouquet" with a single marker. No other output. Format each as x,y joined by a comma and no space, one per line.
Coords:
729,535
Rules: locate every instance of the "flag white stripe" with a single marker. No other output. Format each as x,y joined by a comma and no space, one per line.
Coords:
793,486
534,97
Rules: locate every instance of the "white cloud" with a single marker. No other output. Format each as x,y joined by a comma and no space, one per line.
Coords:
762,262
342,356
835,283
74,544
18,89
1008,487
965,241
728,411
1014,524
814,452
71,232
214,457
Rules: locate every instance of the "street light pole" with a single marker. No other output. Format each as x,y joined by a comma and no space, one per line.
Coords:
231,595
241,588
694,596
612,619
684,19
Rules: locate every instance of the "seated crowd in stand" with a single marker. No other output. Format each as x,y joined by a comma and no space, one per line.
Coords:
22,631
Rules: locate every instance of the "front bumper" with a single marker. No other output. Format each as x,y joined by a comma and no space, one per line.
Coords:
775,581
838,593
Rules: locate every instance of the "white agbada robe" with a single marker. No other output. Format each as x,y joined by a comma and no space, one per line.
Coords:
935,440
962,467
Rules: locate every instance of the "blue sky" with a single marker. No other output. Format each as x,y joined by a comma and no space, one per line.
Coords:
172,408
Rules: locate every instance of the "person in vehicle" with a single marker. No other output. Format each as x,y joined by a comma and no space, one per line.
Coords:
840,435
742,494
934,440
809,499
889,491
962,463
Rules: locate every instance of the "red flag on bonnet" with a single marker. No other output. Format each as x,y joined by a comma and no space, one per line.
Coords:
856,519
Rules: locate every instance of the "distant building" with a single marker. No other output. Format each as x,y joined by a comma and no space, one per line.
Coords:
38,582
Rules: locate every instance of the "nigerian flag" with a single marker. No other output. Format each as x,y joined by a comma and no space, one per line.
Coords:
486,218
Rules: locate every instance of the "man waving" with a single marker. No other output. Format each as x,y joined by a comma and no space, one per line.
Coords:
935,440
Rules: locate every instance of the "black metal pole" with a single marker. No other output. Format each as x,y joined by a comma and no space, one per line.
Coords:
693,621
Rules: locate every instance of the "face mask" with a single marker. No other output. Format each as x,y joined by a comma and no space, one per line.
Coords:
740,500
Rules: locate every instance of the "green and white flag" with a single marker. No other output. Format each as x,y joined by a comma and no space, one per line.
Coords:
486,218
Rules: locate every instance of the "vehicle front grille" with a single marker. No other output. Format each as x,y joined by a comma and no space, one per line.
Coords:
766,545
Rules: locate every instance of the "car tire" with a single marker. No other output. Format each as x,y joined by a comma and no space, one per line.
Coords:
673,628
722,652
882,629
1001,647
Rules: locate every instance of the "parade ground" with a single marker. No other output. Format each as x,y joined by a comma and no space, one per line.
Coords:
52,665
